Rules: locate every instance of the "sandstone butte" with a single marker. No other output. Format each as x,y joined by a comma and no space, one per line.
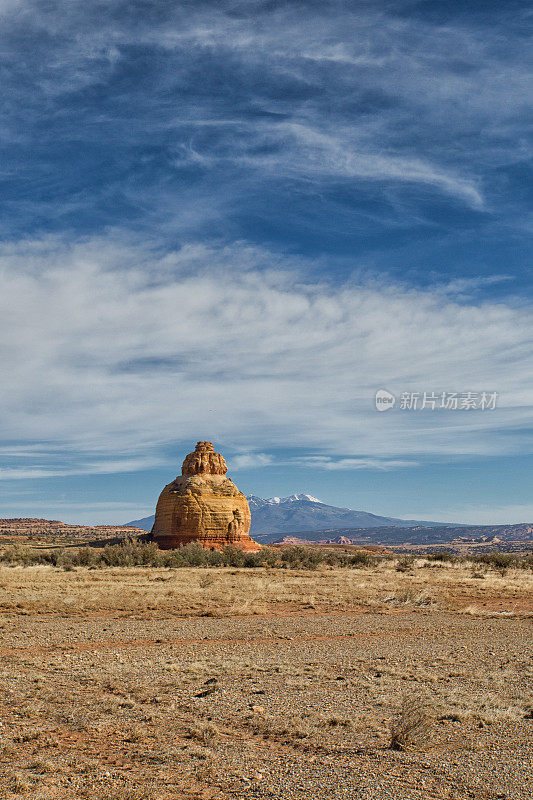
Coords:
204,506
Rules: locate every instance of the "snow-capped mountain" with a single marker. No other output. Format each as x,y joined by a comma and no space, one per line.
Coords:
273,516
259,502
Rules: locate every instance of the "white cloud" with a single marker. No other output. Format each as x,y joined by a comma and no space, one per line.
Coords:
104,467
111,348
343,154
250,461
334,464
306,150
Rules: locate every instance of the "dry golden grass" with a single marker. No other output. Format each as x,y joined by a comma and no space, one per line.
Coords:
149,591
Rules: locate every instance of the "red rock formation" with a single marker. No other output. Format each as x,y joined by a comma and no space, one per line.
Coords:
203,506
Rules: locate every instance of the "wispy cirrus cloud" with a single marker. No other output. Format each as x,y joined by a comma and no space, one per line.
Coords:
296,150
250,461
183,117
256,460
102,467
334,464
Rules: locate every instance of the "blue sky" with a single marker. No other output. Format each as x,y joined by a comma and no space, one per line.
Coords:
238,220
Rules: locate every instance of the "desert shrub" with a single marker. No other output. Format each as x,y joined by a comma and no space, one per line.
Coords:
215,558
126,554
17,783
442,555
233,556
193,555
527,561
300,558
269,557
203,732
413,720
335,722
142,553
478,573
148,553
118,555
172,559
87,557
361,559
26,557
405,564
358,559
253,559
15,555
501,562
409,597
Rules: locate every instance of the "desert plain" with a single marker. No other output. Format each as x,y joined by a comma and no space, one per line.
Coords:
400,679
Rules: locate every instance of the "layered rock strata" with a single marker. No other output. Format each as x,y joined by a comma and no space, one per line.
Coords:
203,505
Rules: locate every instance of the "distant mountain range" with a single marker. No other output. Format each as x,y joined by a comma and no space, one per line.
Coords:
303,512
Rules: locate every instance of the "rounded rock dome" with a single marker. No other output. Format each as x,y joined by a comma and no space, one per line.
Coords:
203,505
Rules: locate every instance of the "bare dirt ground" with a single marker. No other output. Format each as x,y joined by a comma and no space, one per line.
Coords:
233,683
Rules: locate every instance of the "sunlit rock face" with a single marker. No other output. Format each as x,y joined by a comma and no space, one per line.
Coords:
203,505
